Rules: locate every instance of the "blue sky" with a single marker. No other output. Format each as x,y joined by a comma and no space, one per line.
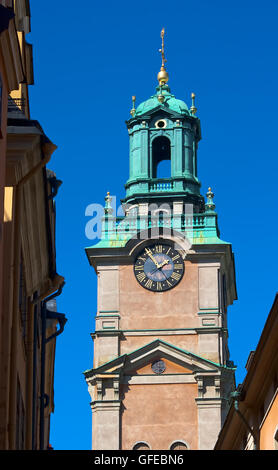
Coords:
88,62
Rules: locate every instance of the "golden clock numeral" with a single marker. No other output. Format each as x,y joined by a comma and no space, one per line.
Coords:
168,251
138,267
178,266
143,259
175,257
176,276
141,277
149,283
169,283
158,286
158,248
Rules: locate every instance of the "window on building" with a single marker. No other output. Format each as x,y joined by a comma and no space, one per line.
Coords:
178,445
161,158
141,446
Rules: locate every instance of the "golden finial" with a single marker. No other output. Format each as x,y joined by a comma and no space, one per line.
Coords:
162,75
108,208
210,194
210,206
132,112
193,110
162,47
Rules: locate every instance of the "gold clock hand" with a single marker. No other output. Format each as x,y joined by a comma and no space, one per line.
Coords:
166,261
149,253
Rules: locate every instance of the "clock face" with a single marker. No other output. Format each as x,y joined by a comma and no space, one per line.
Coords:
159,267
158,367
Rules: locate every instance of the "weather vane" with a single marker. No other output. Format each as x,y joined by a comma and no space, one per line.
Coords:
162,47
162,75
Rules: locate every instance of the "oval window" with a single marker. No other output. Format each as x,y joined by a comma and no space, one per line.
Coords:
161,124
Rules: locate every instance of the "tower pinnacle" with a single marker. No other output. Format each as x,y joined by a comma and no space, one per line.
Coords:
193,109
133,110
162,76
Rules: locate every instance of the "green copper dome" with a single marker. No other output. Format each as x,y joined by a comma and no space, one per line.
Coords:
162,98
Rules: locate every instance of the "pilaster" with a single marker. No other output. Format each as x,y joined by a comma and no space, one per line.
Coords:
106,336
105,405
209,406
209,421
106,425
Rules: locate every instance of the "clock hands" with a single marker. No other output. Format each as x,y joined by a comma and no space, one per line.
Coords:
149,267
158,266
166,261
149,253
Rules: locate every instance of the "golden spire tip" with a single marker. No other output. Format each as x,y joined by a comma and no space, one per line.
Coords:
162,75
133,110
193,109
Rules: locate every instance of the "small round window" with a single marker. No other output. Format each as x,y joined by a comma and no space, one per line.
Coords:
158,367
161,124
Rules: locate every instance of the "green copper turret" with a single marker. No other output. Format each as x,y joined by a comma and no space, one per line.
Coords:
163,128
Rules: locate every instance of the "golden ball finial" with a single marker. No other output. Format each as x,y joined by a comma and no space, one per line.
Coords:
193,108
210,206
133,110
162,76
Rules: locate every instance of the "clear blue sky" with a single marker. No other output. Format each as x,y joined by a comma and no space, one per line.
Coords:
89,59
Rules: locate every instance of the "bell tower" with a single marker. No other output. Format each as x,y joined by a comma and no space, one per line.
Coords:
163,128
162,373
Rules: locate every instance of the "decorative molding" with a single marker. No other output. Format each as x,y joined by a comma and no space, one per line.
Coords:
150,379
107,405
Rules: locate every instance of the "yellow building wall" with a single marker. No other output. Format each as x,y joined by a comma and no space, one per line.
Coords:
159,415
269,427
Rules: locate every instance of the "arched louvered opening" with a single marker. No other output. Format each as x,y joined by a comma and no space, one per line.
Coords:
178,445
161,157
141,446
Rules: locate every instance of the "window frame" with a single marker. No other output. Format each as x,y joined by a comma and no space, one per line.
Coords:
137,443
179,441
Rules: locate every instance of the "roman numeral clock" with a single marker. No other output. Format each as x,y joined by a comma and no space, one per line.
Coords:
159,267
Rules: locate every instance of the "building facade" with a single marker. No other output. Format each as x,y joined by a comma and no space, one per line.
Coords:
162,372
11,74
29,282
252,422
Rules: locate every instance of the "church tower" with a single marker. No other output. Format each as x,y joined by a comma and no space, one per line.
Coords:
161,376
